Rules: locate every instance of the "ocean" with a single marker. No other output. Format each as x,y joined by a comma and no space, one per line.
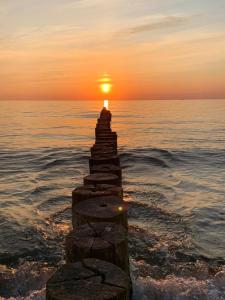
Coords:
173,158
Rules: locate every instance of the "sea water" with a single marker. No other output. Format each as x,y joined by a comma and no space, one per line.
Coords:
173,159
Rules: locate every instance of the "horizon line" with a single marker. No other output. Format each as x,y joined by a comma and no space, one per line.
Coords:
153,99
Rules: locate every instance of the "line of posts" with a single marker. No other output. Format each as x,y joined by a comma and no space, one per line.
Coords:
97,259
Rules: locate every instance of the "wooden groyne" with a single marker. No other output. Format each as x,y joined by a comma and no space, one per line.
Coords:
97,259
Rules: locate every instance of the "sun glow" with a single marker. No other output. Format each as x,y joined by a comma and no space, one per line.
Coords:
105,84
106,88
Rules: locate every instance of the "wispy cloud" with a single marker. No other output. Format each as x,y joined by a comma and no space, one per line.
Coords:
158,23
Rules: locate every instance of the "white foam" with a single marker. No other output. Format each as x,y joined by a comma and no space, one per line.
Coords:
175,288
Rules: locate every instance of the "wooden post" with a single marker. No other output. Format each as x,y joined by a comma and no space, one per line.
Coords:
107,137
101,148
102,178
105,115
104,148
108,142
104,160
86,192
107,168
103,152
101,209
104,122
103,126
105,145
106,241
99,217
113,135
90,279
100,130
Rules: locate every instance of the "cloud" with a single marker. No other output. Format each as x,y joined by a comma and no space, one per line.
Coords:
159,23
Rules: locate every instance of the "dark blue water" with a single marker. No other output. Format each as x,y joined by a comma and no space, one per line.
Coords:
172,153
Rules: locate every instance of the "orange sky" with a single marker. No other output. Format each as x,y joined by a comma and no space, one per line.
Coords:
152,49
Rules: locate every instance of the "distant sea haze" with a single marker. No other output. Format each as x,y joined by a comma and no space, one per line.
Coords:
172,154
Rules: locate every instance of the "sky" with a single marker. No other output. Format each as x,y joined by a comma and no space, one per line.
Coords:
152,49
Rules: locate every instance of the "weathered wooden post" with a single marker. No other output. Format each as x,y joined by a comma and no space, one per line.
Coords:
86,192
89,279
99,218
106,140
103,152
101,209
102,178
102,122
107,168
99,148
103,125
104,160
99,130
106,241
107,143
107,135
105,115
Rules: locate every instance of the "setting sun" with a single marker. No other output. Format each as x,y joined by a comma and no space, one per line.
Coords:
106,87
105,84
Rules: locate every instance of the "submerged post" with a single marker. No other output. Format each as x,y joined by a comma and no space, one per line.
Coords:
89,279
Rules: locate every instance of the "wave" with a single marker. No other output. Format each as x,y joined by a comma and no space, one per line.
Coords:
54,163
52,201
25,282
178,288
127,158
170,288
173,157
150,211
164,267
165,259
41,189
161,276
